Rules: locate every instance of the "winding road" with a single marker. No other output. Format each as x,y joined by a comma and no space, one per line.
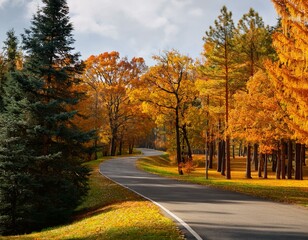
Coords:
207,213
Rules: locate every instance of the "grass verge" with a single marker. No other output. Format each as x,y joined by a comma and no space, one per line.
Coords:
286,191
111,212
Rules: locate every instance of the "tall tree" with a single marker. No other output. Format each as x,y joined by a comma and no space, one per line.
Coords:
290,73
15,156
51,71
253,43
220,57
168,89
8,61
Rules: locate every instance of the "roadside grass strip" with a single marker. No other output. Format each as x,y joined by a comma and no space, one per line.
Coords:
111,212
283,190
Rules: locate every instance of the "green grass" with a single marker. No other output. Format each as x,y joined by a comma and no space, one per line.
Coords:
286,191
111,212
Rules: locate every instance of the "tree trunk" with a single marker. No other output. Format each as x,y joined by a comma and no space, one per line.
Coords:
303,148
113,147
261,159
304,154
219,156
274,161
265,166
131,147
290,159
240,149
95,145
178,141
248,162
223,158
189,152
120,147
228,158
233,150
255,156
211,155
283,159
278,167
298,167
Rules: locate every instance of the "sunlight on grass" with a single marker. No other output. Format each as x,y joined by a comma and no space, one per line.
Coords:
111,212
128,220
287,191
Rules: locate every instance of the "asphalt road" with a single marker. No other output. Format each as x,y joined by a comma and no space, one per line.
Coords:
208,213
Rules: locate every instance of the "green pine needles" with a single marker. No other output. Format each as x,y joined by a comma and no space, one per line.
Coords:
41,149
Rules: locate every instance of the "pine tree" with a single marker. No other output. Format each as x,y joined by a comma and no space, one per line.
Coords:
290,73
252,40
220,63
49,76
2,80
15,156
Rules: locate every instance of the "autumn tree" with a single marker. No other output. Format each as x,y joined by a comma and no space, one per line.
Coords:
220,64
290,73
167,89
113,77
257,116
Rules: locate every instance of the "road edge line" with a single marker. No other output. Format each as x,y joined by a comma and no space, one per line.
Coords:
182,222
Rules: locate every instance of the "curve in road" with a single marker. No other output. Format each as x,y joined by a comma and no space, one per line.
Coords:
209,213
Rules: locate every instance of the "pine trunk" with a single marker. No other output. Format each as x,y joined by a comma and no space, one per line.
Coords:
278,167
255,156
265,166
298,167
290,159
283,159
219,156
248,162
223,158
211,155
261,159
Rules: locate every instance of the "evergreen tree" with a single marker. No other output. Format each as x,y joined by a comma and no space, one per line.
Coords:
49,78
15,156
2,79
8,61
220,65
16,189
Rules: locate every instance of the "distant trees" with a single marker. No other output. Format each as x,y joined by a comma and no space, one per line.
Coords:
111,79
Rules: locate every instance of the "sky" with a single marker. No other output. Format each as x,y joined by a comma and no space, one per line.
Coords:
136,28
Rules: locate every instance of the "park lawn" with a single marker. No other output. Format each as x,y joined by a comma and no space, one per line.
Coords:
111,212
286,191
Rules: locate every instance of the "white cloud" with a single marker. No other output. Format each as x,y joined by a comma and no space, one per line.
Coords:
32,7
11,2
196,12
136,27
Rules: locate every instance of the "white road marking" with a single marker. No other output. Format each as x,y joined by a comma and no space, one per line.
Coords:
182,222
